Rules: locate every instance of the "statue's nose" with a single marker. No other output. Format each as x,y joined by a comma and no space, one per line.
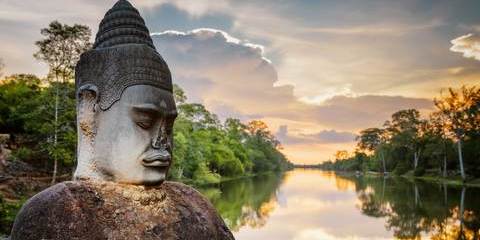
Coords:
160,141
157,142
160,150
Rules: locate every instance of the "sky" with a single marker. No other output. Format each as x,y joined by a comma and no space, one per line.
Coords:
317,72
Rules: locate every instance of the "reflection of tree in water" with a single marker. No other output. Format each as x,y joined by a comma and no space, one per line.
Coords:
344,185
415,209
246,201
452,227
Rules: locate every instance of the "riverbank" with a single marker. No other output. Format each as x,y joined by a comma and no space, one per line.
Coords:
451,180
225,179
454,180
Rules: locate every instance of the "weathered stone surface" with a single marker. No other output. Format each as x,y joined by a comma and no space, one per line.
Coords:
123,55
108,210
125,105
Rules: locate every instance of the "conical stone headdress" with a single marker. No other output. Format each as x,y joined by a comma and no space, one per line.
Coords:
123,55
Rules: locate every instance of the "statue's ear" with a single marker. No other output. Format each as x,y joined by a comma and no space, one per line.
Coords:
87,96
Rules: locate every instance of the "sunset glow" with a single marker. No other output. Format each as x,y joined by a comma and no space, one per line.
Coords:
317,73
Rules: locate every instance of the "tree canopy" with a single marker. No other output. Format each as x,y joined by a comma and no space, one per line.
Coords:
446,142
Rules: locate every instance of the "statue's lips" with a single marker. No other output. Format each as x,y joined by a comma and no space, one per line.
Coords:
158,160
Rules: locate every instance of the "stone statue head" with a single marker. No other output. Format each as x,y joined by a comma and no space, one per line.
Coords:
125,106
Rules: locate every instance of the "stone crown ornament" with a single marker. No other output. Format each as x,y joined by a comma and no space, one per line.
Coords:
123,55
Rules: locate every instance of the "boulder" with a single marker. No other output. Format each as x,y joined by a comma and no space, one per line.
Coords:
108,210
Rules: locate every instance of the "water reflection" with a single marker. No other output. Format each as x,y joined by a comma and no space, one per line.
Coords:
311,204
246,202
415,209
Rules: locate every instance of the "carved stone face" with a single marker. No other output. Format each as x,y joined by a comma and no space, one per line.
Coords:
132,140
125,106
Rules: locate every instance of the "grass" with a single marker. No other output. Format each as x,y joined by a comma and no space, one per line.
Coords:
249,175
430,177
450,180
192,182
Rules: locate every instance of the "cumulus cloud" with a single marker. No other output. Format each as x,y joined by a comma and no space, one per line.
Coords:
230,75
322,137
219,35
219,70
468,45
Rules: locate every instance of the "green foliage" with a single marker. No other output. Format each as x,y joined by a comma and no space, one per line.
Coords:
61,48
206,149
371,138
415,209
420,171
179,94
202,175
8,212
17,99
245,201
28,115
409,143
43,126
22,154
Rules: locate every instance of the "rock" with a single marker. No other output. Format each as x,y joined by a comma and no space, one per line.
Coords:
19,168
108,210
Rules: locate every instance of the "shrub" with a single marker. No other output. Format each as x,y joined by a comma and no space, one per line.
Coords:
22,154
420,171
401,168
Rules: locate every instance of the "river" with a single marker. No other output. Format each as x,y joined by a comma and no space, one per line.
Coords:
314,204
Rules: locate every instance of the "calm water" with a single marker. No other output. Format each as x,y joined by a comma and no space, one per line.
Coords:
313,204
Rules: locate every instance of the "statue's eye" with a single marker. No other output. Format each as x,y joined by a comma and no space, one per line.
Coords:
145,124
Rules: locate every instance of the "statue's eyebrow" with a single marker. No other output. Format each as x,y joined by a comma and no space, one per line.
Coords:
153,109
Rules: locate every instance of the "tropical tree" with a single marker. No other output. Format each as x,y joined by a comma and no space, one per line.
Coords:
17,93
341,155
453,127
372,139
179,95
207,149
60,49
263,148
237,136
405,130
199,116
461,113
438,129
27,111
260,132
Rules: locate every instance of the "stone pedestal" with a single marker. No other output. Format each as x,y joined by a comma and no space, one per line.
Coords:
107,210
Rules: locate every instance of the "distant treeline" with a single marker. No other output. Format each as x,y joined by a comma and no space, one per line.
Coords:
39,115
447,143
